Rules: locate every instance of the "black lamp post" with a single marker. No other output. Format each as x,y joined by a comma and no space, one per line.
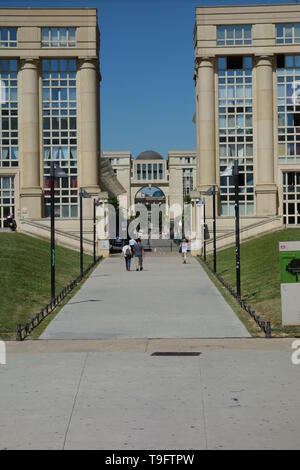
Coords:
55,172
82,195
233,170
212,192
237,228
97,203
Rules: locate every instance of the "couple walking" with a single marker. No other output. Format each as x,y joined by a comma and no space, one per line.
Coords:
133,248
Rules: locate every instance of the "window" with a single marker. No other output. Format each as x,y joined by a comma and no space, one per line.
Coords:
187,181
9,150
160,170
235,62
60,134
234,35
58,37
288,33
236,131
291,198
288,106
8,37
7,198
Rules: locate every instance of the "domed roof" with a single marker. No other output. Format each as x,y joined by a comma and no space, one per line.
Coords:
149,155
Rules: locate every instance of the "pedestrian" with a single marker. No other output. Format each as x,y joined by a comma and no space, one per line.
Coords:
127,253
183,249
132,244
139,254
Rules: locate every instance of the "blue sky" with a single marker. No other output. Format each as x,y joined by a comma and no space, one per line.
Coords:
147,62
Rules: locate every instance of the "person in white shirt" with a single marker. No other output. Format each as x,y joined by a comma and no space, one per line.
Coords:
127,253
132,244
184,249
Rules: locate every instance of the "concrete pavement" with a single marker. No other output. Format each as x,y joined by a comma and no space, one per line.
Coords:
240,394
93,383
166,300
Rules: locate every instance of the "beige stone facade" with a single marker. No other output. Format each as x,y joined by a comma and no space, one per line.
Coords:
175,176
246,62
53,64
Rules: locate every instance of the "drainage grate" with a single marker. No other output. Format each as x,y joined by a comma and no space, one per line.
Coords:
175,353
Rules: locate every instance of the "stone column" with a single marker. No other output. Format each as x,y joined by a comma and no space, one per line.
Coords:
89,132
206,153
89,125
29,141
266,190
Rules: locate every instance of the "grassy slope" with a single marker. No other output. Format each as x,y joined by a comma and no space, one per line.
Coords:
260,275
25,277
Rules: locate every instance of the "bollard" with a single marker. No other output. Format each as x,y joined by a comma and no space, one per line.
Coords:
268,330
19,333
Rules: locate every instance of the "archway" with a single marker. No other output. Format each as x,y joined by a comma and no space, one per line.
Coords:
149,195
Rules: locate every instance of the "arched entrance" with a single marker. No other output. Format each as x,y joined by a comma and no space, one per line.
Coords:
149,195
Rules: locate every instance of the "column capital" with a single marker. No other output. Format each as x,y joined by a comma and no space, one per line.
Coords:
29,63
85,63
204,61
264,60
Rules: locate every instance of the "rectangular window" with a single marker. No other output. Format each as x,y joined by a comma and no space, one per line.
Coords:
58,37
288,102
7,198
60,134
187,181
236,131
234,35
8,37
161,171
9,151
288,33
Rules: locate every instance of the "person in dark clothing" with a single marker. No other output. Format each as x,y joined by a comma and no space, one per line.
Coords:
139,254
127,253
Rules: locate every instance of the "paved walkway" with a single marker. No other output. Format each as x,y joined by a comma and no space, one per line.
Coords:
166,300
239,393
70,392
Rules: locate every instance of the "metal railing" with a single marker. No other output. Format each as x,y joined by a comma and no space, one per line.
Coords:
24,330
263,325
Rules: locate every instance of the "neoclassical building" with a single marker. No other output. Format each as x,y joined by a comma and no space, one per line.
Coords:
247,83
49,73
151,178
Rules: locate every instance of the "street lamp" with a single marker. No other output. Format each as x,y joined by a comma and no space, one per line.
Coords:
233,170
212,192
55,172
82,195
201,202
237,228
97,203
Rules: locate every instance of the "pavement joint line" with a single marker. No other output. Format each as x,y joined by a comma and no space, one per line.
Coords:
203,405
75,399
144,345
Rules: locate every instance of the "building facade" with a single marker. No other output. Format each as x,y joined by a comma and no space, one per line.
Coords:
247,83
150,178
49,75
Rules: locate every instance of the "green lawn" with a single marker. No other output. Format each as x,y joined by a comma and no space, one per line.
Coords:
25,277
260,276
